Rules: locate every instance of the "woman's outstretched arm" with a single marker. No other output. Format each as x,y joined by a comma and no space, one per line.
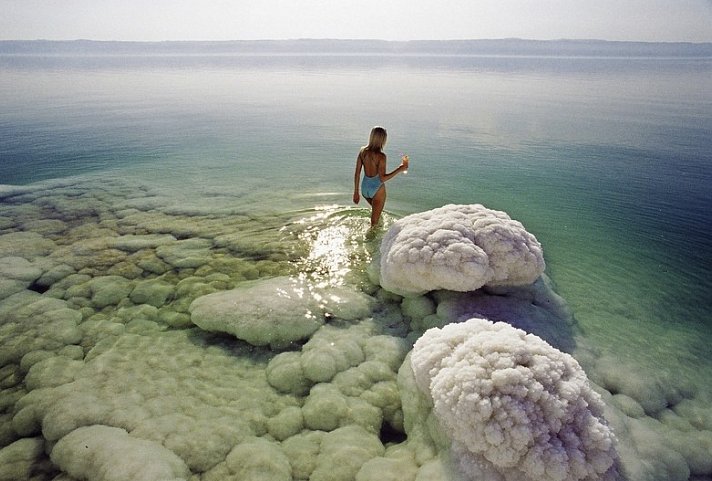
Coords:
382,168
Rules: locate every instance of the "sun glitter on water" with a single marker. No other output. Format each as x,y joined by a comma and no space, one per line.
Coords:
333,239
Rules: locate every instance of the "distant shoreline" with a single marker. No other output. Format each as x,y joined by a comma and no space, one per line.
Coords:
514,47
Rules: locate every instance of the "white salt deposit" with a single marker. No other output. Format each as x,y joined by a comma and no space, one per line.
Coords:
459,248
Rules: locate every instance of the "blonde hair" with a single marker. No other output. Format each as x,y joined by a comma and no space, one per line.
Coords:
377,139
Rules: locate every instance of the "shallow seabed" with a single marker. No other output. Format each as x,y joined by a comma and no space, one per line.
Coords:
98,273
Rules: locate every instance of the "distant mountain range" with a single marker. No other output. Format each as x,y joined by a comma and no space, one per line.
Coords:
521,47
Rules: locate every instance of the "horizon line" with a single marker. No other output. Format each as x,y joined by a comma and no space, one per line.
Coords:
329,39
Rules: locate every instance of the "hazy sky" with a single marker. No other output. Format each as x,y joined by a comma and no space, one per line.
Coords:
651,20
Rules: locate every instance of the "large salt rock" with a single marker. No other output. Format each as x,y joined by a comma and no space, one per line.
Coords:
189,253
109,290
103,453
258,460
32,322
343,452
276,312
514,407
29,245
19,268
458,248
8,287
152,292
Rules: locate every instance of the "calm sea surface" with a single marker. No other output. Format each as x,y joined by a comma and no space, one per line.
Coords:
608,161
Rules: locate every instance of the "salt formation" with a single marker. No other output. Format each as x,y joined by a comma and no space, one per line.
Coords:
459,248
535,308
276,312
92,453
23,460
97,342
513,405
348,375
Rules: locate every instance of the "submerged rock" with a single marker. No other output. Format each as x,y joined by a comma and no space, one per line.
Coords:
90,453
183,254
19,269
29,245
276,312
153,292
109,290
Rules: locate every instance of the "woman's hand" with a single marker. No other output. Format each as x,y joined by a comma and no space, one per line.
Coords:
404,162
357,197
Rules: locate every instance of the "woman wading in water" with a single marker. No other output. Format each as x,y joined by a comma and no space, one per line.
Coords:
373,161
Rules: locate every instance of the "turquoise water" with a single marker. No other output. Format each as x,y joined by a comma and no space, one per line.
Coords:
608,161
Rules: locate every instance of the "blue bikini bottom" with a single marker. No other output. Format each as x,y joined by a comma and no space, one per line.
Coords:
370,185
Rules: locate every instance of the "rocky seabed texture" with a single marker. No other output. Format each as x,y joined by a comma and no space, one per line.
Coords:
146,338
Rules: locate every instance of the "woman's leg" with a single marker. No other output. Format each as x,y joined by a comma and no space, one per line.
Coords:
377,204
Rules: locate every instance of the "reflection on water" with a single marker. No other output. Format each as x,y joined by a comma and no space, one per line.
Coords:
336,244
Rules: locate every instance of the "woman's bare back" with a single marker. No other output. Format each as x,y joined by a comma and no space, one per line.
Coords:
372,162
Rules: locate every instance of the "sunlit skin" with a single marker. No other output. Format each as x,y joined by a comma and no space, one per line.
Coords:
374,163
